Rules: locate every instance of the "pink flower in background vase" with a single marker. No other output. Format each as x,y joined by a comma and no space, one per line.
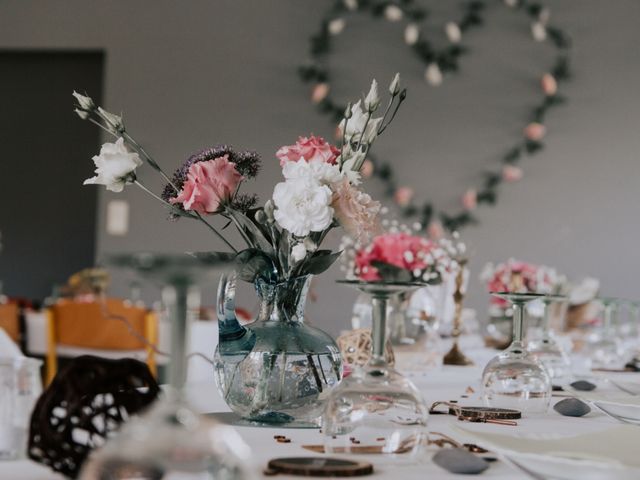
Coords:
309,149
356,211
367,169
535,131
435,230
319,92
403,196
549,85
511,173
470,199
209,185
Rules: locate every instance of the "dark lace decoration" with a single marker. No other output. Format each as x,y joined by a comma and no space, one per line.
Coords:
87,401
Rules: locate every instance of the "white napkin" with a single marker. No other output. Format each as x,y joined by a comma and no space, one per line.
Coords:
8,349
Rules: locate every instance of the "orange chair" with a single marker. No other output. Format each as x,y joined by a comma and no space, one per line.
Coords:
111,328
10,320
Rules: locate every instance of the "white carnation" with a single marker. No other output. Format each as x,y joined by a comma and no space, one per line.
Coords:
320,172
115,166
302,206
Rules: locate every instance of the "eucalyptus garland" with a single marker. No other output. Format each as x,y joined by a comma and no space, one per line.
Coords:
440,61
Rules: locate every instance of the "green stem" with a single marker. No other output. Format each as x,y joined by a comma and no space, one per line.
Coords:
216,232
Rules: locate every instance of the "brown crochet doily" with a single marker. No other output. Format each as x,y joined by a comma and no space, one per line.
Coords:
88,400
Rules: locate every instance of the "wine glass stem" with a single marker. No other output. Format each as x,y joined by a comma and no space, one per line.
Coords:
179,299
518,323
379,316
546,320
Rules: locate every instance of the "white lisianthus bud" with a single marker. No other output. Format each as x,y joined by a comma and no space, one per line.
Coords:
347,111
114,121
372,99
268,210
511,3
310,245
433,75
84,102
454,34
538,31
394,87
83,114
298,252
336,26
393,13
411,34
261,217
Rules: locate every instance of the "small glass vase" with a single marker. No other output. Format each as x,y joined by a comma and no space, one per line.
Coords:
276,370
376,409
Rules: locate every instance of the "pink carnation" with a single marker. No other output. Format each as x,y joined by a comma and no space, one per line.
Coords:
309,149
209,184
399,249
355,210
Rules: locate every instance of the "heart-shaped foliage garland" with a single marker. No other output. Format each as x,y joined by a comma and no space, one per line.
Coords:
439,62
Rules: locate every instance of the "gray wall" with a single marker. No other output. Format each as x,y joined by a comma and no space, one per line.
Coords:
191,74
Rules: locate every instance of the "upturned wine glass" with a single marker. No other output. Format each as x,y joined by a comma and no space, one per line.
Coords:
604,346
514,378
376,409
170,440
546,348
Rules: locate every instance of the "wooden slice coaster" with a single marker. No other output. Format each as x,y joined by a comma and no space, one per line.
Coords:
318,467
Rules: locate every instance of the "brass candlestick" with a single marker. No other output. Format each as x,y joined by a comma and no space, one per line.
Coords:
455,355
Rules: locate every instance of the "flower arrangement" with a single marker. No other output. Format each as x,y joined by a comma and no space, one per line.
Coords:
521,277
283,237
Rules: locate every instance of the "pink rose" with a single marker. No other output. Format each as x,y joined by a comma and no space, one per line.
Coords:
535,131
310,149
403,196
209,184
511,173
470,199
356,211
549,85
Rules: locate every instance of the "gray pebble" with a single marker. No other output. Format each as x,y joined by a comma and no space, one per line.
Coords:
457,460
583,386
572,407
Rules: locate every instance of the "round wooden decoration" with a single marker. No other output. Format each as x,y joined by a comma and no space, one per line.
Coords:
318,467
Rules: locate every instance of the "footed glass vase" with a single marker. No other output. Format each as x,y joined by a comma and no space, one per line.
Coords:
276,370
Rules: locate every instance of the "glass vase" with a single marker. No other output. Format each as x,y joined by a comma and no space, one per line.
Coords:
277,370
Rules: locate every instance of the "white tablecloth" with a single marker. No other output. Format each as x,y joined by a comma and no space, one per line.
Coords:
449,383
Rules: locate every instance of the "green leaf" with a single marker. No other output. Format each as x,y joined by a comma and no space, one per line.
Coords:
255,234
392,273
252,264
320,262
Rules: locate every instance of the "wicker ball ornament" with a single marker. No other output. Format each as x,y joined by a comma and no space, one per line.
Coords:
87,401
355,347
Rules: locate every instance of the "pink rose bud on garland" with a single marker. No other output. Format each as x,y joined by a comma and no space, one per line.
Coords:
435,230
319,92
549,85
470,199
511,173
535,131
403,196
367,169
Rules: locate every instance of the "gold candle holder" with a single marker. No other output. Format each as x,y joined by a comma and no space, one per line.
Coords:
455,355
